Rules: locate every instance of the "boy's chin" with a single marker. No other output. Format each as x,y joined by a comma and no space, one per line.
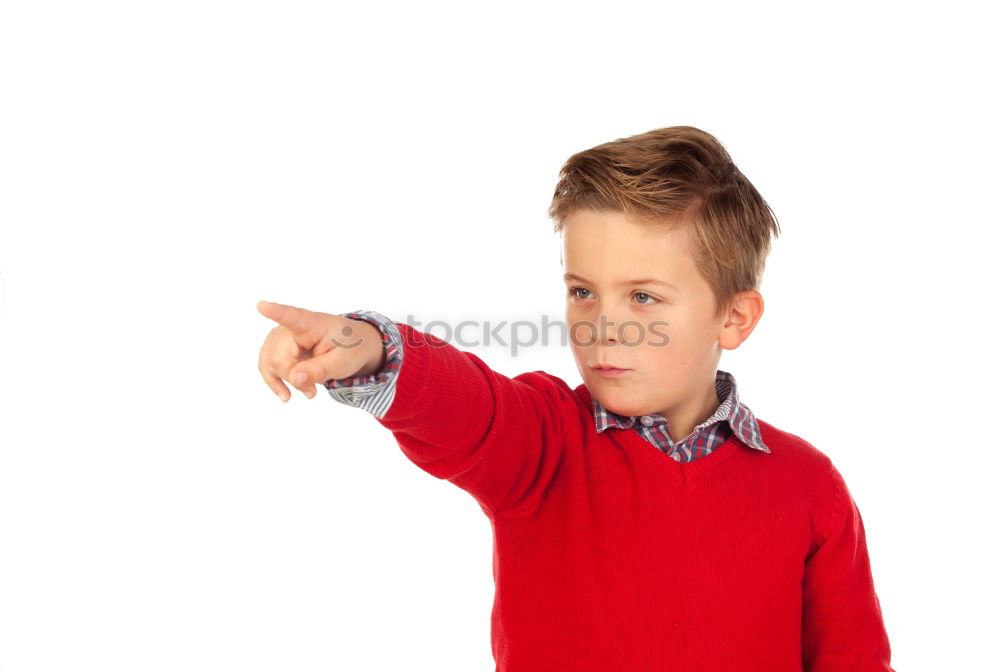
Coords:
619,403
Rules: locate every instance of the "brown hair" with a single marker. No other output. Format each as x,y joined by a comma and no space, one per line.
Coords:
679,175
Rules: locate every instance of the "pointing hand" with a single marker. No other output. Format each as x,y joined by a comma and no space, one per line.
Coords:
307,348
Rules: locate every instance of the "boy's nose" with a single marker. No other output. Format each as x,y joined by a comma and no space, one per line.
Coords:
608,328
620,332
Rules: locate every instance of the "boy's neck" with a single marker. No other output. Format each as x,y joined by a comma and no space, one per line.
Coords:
682,421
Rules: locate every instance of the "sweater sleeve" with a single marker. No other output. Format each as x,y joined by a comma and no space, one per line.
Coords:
842,625
500,439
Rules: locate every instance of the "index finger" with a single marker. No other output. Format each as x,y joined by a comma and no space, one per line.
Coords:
295,319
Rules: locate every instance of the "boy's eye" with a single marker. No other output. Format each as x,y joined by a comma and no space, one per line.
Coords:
574,293
647,296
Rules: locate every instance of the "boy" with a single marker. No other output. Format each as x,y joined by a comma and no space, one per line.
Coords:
645,520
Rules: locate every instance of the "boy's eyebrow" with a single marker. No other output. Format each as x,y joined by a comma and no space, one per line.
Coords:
640,281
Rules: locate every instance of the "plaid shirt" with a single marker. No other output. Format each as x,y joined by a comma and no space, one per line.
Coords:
731,416
374,393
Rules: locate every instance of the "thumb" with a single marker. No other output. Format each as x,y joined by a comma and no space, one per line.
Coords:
321,368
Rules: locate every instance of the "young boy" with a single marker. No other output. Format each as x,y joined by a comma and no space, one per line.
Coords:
645,520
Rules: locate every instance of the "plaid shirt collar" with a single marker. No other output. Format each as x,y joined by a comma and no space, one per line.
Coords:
738,415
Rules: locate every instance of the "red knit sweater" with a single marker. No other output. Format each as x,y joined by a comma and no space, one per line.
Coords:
610,556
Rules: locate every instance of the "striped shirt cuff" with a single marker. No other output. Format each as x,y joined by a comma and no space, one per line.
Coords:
372,393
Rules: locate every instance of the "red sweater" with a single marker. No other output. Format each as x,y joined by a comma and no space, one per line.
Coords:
610,556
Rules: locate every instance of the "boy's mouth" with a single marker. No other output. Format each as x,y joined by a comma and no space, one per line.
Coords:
608,370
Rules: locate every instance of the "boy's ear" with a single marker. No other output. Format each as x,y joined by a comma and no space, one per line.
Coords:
740,319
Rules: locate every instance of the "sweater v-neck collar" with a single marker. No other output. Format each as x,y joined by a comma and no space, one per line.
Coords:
687,474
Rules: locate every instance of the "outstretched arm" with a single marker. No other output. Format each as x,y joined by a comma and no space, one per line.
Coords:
499,438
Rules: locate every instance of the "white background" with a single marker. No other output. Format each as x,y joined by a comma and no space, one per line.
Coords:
164,166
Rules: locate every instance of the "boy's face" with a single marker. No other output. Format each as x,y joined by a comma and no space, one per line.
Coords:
667,337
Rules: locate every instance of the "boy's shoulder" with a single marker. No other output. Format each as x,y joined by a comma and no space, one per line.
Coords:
789,441
794,452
